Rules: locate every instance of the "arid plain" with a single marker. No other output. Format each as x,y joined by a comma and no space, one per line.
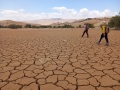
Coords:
58,59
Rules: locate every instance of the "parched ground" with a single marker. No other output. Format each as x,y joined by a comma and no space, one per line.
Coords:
58,60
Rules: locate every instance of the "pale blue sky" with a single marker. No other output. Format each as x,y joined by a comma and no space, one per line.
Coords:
56,8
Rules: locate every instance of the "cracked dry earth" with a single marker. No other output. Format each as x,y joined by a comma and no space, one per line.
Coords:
58,60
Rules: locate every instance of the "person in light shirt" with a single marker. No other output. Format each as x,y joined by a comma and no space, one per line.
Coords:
86,27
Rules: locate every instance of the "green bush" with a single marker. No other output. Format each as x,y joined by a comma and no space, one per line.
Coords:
13,26
34,26
79,26
45,26
91,25
28,26
114,22
67,26
64,26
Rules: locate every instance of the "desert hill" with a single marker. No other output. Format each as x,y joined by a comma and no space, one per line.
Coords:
9,22
58,22
95,21
50,21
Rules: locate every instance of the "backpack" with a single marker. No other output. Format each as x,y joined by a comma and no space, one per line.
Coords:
107,30
87,27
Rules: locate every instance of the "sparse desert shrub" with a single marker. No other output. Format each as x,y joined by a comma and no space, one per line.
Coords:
91,25
34,26
115,22
67,26
79,26
54,27
13,26
28,26
45,26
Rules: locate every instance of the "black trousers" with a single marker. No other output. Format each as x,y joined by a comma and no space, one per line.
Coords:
106,37
85,31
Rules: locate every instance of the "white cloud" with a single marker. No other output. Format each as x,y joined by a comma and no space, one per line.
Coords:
59,12
65,10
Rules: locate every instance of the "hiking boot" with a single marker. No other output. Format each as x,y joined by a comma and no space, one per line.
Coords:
98,43
107,44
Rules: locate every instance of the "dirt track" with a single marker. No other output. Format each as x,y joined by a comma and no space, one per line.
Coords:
58,60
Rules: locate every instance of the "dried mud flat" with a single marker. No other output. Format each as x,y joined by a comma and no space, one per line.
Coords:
58,60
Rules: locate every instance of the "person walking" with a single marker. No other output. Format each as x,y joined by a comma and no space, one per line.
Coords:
86,27
105,31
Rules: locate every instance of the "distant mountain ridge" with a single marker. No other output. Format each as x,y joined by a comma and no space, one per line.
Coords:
95,21
50,21
57,22
9,22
